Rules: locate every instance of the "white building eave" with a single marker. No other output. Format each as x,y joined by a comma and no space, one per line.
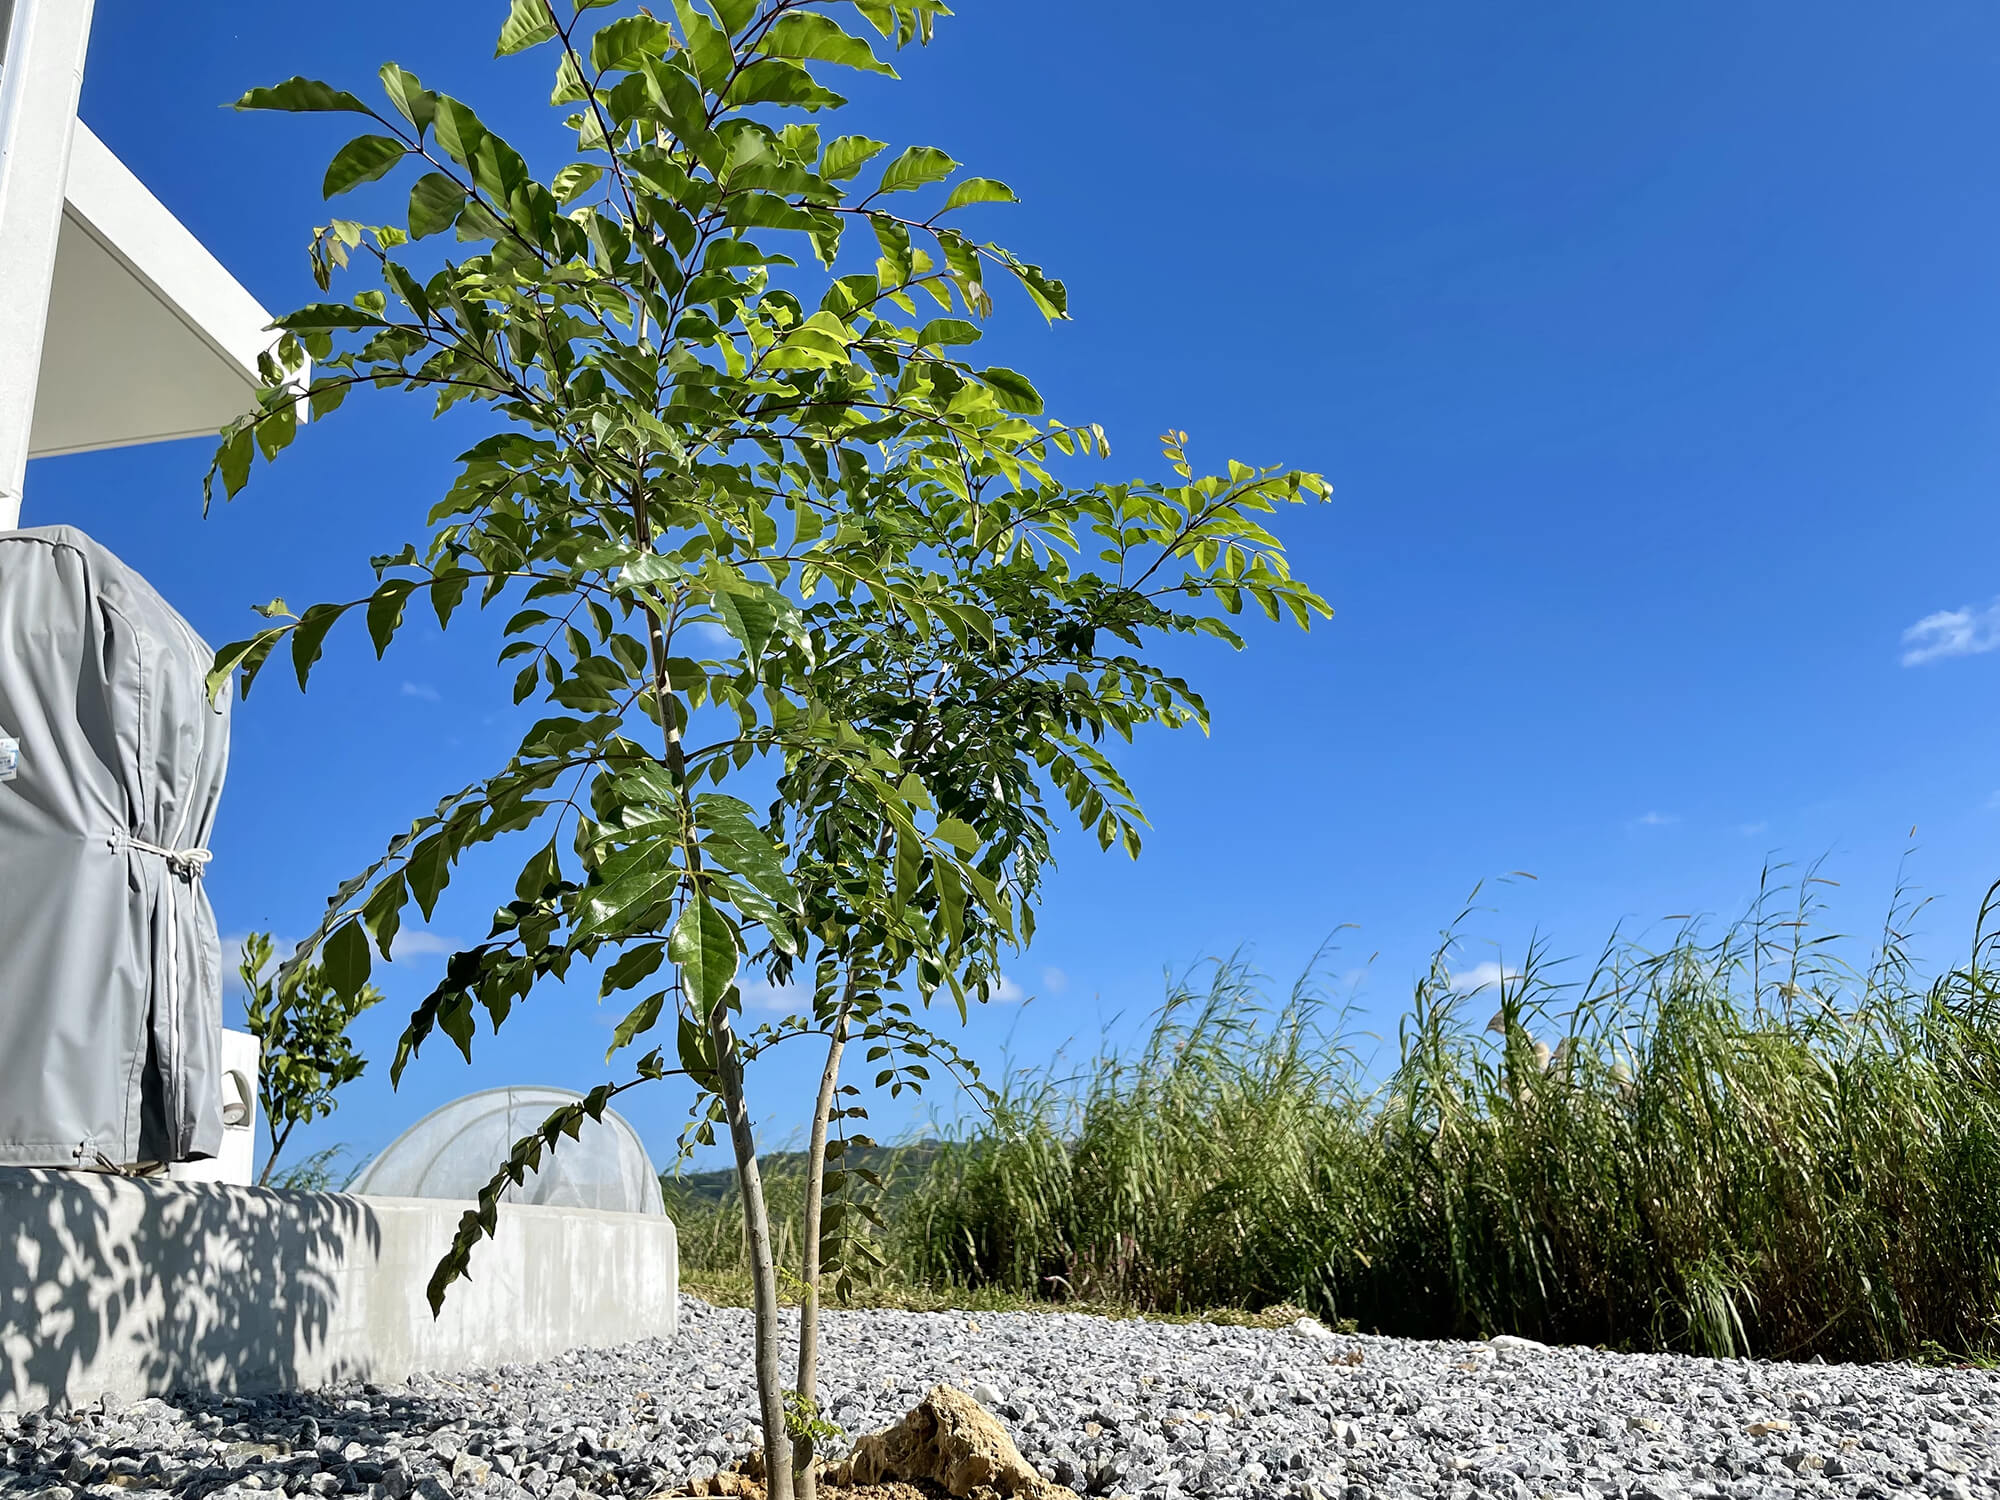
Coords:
148,338
116,325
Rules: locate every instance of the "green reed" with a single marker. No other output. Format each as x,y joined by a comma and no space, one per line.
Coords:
1738,1145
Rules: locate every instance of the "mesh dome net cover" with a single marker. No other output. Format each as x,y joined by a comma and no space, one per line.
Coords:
453,1152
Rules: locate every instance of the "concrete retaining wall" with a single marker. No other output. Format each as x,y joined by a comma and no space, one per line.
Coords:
113,1284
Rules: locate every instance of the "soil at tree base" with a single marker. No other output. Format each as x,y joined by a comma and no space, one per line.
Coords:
753,1489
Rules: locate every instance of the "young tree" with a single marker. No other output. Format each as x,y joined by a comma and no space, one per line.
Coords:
761,525
301,1027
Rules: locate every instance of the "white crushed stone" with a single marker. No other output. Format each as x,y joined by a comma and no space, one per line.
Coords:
1133,1408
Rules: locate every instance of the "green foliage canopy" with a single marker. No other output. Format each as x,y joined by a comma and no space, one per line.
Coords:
752,521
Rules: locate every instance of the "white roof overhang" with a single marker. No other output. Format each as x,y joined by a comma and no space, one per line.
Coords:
148,337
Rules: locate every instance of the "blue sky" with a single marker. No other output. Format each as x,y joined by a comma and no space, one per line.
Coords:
1653,353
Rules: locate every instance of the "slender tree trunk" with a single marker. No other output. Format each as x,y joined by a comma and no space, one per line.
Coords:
729,1070
277,1145
806,1483
763,1269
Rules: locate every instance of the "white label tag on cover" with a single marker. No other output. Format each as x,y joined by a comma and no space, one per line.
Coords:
10,758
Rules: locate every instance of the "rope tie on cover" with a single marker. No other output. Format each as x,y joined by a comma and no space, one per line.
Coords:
188,864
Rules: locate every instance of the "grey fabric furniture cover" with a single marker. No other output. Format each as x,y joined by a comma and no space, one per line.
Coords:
110,970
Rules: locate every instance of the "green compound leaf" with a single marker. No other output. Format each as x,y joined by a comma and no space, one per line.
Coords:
810,37
528,24
979,190
362,159
303,96
704,946
434,205
917,167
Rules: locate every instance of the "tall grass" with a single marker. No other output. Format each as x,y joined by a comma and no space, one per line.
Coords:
709,1228
1728,1146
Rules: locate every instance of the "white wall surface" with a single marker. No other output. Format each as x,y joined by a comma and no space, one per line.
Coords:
136,1287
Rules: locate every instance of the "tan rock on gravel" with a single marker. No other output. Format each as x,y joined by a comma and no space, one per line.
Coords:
950,1440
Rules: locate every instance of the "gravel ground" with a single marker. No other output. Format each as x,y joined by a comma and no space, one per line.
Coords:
1111,1408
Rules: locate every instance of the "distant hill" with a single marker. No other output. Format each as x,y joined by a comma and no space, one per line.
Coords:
891,1163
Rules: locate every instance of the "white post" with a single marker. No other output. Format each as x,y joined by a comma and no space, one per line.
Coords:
41,75
242,1061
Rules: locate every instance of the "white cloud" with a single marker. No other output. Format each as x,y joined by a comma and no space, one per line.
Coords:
1751,830
411,943
422,691
1008,992
784,999
416,943
1952,632
232,955
1656,820
1480,976
1054,980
